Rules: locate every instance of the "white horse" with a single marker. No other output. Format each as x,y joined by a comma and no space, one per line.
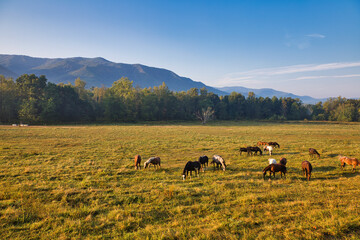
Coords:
272,161
218,160
268,148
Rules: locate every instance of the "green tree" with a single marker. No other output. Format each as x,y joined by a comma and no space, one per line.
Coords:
9,100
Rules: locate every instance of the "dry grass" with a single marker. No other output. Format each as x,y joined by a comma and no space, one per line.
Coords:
61,182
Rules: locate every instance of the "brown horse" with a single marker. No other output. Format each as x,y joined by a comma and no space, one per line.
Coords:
137,162
262,143
350,161
307,169
273,168
154,161
313,152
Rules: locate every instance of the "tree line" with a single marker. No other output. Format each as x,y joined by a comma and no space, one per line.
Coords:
32,99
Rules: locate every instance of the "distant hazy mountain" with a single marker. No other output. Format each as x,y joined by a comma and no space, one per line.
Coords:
98,71
268,92
95,71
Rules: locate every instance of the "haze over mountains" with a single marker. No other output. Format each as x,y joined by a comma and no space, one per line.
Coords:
99,71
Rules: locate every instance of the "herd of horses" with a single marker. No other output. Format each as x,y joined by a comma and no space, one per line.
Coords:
272,168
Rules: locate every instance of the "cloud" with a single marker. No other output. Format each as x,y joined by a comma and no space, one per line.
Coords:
297,69
329,76
315,35
302,42
287,73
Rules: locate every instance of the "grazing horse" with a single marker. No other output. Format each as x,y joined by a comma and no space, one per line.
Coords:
268,148
244,150
137,162
273,168
262,143
274,144
254,149
191,166
313,152
306,168
272,161
283,161
204,160
218,160
350,161
154,161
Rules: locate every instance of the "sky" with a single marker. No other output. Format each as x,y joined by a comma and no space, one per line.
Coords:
303,47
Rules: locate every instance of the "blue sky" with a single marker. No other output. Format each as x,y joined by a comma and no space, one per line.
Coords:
304,47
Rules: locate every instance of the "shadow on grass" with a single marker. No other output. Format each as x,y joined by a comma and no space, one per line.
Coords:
290,153
324,169
332,155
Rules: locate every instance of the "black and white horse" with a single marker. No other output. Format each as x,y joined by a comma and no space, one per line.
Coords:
218,160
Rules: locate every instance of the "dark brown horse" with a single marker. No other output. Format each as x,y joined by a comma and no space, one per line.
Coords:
273,168
191,166
274,144
137,162
244,150
313,152
254,150
283,161
307,169
204,160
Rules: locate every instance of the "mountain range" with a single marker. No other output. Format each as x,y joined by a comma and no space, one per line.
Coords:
99,71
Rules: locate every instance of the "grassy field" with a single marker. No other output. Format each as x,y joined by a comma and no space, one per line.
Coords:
75,182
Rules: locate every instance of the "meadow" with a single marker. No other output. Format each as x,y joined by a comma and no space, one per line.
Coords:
79,182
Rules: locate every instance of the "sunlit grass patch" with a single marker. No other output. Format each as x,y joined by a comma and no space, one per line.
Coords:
80,182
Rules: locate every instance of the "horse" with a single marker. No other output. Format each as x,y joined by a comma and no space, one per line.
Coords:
283,161
218,160
274,144
268,148
254,149
350,161
272,161
154,161
313,152
262,143
273,168
306,168
204,160
191,166
137,162
244,150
